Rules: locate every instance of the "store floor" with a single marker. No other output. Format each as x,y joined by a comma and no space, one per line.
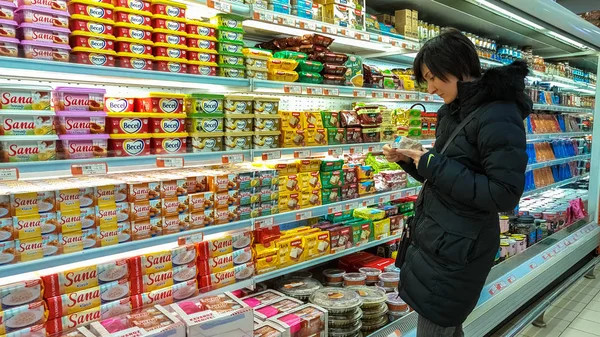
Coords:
576,313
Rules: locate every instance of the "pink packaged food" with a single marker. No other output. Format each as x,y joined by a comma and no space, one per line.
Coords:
152,321
43,16
46,51
7,10
9,46
78,99
43,33
74,123
83,146
8,28
60,5
81,318
284,304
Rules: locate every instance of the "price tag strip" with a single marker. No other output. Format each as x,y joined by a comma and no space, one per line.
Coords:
336,152
359,93
9,174
292,89
302,154
265,222
173,162
315,91
233,158
89,169
304,215
220,6
271,155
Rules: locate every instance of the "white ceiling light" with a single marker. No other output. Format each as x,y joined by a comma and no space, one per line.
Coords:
568,40
509,15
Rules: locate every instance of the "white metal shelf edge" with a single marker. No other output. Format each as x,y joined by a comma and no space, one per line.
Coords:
558,161
549,136
555,185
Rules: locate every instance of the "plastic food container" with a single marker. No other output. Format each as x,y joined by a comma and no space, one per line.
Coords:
267,123
228,47
282,75
336,300
92,41
395,303
131,46
334,69
292,55
354,279
129,145
42,16
333,79
60,5
231,59
202,55
204,123
83,146
43,51
204,104
77,123
127,123
257,62
314,78
332,58
202,30
15,124
232,71
169,143
31,148
345,320
78,99
373,325
351,330
8,28
166,124
169,37
257,52
132,16
310,66
138,5
89,24
334,275
300,288
134,32
118,104
267,140
168,50
41,33
206,142
98,10
136,61
159,102
257,74
171,65
372,274
10,47
266,106
374,313
238,140
389,280
168,8
238,105
169,23
230,21
239,123
282,64
202,68
94,57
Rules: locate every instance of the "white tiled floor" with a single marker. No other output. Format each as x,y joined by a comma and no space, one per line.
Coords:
575,314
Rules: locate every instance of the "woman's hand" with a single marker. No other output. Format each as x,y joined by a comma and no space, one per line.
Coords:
393,156
415,155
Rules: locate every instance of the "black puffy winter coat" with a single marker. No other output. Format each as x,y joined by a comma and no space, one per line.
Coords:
455,229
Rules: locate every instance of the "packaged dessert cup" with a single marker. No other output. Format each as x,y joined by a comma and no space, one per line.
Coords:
78,99
33,148
42,16
372,274
128,123
94,57
389,280
396,304
169,143
334,275
83,146
202,68
354,279
41,33
136,61
10,47
205,142
77,123
8,28
46,51
123,145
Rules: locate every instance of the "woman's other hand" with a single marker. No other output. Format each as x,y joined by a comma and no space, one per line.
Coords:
415,155
393,155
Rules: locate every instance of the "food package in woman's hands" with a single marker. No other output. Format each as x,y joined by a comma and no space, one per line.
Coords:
406,143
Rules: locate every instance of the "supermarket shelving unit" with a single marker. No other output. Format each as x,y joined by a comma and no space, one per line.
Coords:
509,285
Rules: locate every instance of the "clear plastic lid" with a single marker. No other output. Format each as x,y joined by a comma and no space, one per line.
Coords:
347,331
336,299
370,271
371,296
391,268
389,277
375,324
345,319
375,312
354,277
334,272
298,286
395,303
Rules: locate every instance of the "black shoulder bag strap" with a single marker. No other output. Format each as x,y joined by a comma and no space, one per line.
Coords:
406,239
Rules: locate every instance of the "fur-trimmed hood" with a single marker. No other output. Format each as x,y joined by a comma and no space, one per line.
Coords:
505,83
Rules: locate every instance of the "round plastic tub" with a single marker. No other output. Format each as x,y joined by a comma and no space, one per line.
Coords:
158,102
267,123
170,51
232,71
43,16
238,140
194,41
132,16
300,288
128,123
138,5
168,8
129,145
30,148
206,142
118,104
94,57
136,61
239,123
210,104
43,51
83,146
229,35
169,37
167,123
134,32
171,65
237,104
98,10
372,274
336,300
78,123
169,23
202,55
169,143
344,320
334,275
60,5
266,140
204,123
371,296
10,47
349,331
8,28
374,313
228,47
354,279
202,30
231,59
41,33
92,25
92,41
395,303
138,47
389,280
202,68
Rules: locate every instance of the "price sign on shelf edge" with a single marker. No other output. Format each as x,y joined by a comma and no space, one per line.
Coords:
89,169
303,215
292,89
359,93
232,158
262,223
301,154
336,151
220,6
174,162
334,209
9,174
270,155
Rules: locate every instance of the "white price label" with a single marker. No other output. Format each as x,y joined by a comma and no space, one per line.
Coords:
286,21
349,33
308,25
410,193
352,205
302,154
89,169
377,94
334,209
221,6
396,196
410,97
190,239
384,199
314,91
359,93
336,152
368,202
363,36
175,162
292,89
384,39
375,148
233,158
9,174
331,92
270,155
327,29
262,223
427,98
303,215
404,45
356,149
387,95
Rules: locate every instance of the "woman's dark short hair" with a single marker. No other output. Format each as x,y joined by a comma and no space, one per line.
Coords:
449,53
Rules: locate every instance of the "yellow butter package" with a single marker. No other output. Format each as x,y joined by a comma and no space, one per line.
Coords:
294,138
381,228
309,181
308,165
292,120
261,251
285,167
316,137
289,202
266,264
317,244
311,198
368,213
313,120
291,251
295,230
68,200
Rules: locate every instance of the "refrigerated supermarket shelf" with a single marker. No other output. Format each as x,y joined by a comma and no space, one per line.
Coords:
550,136
558,161
555,185
322,259
560,108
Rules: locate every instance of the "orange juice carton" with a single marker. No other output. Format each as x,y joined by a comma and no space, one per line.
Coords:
104,311
166,296
20,293
86,299
160,261
84,278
